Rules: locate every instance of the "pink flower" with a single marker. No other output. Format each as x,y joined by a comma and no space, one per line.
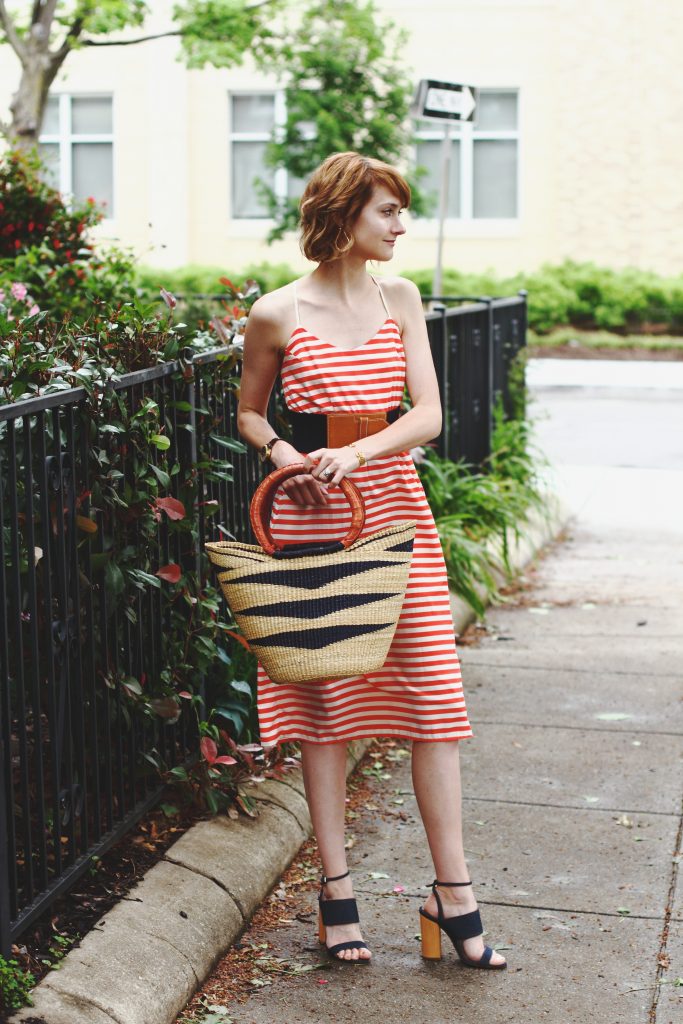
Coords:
35,308
18,290
168,298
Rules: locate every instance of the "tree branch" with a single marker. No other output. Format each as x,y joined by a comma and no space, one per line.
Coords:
129,42
47,13
70,38
162,35
11,33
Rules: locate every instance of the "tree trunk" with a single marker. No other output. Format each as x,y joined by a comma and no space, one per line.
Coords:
28,103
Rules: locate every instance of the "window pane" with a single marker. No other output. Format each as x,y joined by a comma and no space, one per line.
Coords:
295,186
50,125
91,115
49,154
92,173
253,113
496,111
495,178
429,155
247,164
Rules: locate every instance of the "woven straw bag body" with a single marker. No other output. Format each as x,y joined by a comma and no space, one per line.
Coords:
318,610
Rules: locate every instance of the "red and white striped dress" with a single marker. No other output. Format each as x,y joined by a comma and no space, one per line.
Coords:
417,694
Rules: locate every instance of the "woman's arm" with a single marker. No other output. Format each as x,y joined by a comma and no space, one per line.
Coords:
260,367
419,424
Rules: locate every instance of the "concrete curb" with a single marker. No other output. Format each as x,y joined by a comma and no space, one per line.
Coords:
144,960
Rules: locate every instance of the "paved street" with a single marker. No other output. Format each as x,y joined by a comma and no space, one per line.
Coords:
573,780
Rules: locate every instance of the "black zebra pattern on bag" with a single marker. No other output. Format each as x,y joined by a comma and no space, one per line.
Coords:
318,616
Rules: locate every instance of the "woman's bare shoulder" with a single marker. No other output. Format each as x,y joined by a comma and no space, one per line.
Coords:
271,318
403,296
274,307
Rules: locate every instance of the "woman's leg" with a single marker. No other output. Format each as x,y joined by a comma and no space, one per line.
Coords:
324,771
436,778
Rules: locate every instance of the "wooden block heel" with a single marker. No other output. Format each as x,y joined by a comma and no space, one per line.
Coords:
458,929
321,928
430,934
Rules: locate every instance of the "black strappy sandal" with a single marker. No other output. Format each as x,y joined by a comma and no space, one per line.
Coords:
333,912
459,928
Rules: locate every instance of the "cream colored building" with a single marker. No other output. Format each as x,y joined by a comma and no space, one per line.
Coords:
577,150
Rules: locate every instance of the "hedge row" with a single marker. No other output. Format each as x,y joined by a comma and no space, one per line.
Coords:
581,295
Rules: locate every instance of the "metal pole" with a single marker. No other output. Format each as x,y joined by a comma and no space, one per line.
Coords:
5,911
443,204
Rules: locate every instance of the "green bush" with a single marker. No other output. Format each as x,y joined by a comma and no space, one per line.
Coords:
206,280
194,280
582,295
477,511
135,484
15,985
45,246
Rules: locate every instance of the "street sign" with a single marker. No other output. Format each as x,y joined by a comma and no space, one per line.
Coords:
444,100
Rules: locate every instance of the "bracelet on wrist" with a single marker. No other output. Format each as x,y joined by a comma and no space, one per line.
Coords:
362,461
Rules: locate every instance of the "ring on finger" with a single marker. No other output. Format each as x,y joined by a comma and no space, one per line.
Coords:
326,473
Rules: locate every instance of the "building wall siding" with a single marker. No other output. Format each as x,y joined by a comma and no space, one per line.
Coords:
600,155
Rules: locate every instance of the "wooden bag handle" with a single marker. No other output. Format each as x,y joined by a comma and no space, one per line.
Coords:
264,495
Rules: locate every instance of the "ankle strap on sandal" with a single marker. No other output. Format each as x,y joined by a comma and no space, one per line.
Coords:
326,878
439,904
436,882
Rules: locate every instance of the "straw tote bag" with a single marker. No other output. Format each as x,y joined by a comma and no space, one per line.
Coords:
315,610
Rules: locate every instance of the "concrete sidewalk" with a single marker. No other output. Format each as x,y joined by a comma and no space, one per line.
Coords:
572,816
142,962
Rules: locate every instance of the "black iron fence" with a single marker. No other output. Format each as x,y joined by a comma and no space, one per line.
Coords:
473,347
74,771
74,768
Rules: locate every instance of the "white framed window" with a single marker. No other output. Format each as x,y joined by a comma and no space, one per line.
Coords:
77,144
484,164
254,116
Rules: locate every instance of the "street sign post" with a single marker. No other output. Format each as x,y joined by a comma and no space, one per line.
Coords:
447,102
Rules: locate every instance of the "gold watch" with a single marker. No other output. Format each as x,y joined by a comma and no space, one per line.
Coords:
266,450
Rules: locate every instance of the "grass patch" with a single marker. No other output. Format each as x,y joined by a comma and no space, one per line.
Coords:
601,340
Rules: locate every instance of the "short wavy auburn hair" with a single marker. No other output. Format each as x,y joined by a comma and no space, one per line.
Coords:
334,196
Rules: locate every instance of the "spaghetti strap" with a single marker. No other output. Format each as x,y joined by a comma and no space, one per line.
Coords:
296,305
384,303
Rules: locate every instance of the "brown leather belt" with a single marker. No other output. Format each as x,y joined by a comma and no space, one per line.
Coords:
312,430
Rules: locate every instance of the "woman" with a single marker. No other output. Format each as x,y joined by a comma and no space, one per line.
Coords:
316,334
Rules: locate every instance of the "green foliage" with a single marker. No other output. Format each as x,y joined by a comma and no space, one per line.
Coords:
193,281
581,294
148,498
476,512
216,32
40,356
220,32
44,245
99,18
346,88
15,985
195,278
33,213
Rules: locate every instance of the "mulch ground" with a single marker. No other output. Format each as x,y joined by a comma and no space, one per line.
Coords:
579,352
73,915
240,969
